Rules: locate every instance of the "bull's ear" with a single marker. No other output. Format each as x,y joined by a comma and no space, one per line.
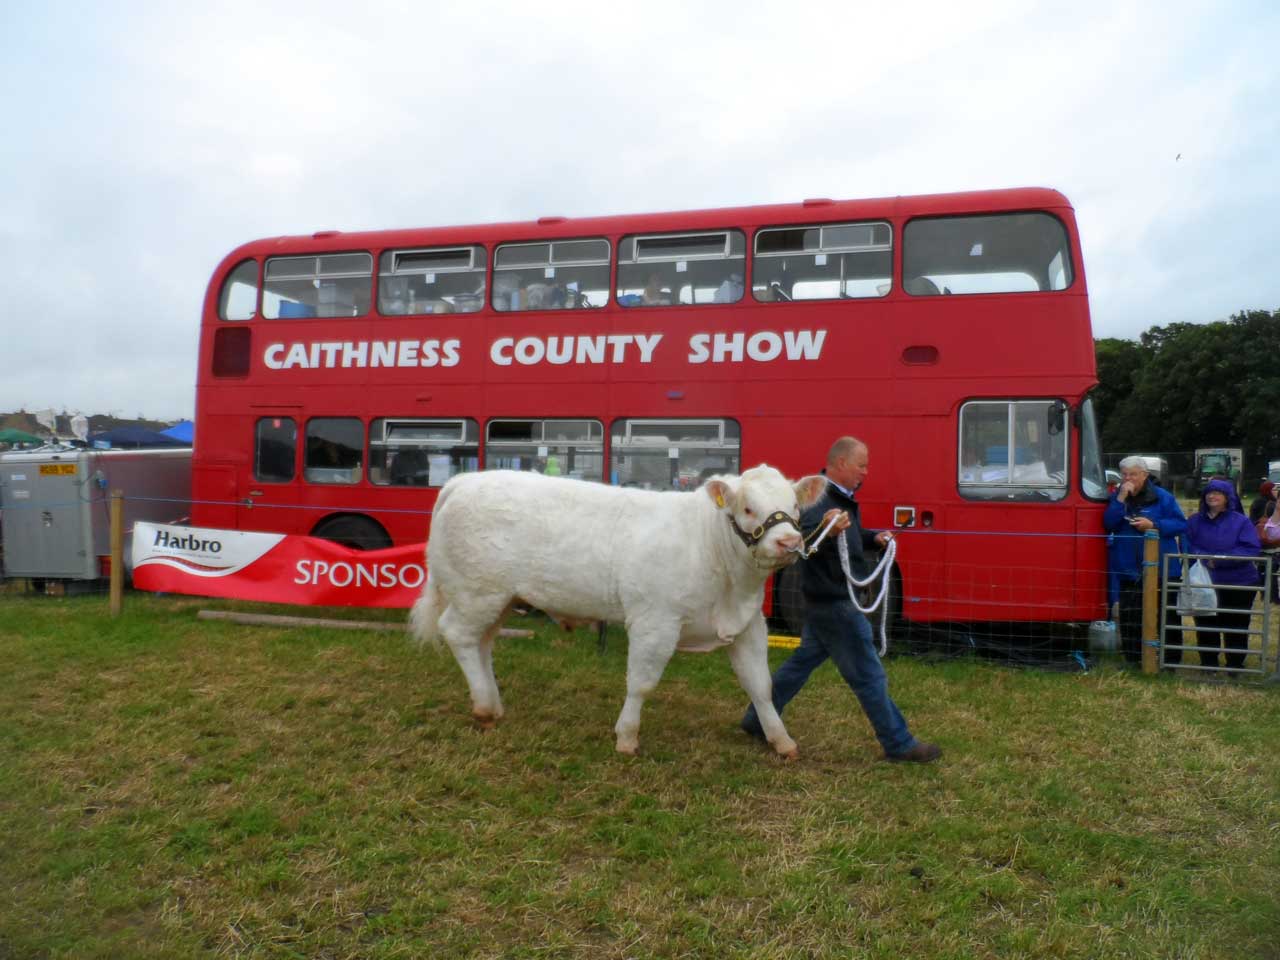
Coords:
809,489
719,491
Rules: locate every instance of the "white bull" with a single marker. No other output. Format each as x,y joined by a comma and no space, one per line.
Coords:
670,566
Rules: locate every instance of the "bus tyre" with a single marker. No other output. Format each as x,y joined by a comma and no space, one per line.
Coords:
350,530
788,600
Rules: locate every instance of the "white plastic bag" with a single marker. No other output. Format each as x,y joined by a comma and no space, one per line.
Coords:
1196,596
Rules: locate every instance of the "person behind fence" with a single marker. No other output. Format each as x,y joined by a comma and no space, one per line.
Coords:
833,626
1140,504
1220,527
1269,533
1264,504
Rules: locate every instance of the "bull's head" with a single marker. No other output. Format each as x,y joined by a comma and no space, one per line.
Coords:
763,508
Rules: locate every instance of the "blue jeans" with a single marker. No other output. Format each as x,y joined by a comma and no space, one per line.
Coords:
839,631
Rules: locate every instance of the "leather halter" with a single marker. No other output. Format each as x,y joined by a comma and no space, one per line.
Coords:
756,535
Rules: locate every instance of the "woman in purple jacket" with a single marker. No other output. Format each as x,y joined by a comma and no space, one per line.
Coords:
1221,528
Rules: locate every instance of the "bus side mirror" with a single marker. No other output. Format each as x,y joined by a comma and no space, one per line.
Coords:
1057,410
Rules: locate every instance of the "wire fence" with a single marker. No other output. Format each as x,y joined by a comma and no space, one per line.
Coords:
1039,600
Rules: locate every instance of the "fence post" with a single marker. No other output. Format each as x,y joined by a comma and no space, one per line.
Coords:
117,552
1150,601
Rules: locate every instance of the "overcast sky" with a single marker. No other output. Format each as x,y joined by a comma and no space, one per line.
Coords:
144,141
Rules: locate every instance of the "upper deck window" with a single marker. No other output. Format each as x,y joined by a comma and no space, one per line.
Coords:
435,280
332,285
666,269
996,253
238,299
554,275
829,261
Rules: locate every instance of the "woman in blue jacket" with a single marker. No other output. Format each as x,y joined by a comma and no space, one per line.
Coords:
1138,505
1220,527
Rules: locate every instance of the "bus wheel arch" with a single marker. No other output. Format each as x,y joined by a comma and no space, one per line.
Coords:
353,530
788,602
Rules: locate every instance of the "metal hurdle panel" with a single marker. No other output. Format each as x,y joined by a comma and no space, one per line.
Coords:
1267,666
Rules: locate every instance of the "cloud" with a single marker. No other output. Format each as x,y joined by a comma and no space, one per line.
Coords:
164,136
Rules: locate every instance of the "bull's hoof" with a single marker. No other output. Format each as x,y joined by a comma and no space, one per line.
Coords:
630,749
485,721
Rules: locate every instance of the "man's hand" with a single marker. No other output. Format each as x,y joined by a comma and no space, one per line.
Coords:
883,538
1142,524
842,521
1126,488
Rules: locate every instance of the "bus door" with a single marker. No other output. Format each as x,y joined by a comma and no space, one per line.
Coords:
917,509
270,490
219,494
1093,594
1011,550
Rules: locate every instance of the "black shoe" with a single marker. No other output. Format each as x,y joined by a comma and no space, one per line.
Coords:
921,753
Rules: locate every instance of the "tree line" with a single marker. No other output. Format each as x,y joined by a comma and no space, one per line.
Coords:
1189,385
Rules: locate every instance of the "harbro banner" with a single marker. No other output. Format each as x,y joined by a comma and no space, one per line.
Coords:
274,567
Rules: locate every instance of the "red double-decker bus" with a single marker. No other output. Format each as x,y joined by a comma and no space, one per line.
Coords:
344,377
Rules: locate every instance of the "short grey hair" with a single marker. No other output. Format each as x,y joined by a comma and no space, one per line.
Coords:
1135,461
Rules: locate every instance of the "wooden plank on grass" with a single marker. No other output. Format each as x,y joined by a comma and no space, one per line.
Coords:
279,620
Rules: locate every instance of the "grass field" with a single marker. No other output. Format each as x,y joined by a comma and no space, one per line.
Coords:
179,788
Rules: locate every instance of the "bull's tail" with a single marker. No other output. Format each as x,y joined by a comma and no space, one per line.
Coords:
424,618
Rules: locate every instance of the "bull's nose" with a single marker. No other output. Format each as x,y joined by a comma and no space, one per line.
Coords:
790,541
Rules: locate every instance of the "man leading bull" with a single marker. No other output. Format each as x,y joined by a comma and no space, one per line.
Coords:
833,626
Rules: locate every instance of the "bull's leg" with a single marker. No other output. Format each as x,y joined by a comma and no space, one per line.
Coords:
469,631
649,649
486,660
749,654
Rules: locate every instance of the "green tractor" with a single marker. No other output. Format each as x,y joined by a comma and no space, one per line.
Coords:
1215,463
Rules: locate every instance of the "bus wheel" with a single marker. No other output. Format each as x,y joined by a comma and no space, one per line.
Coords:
788,600
897,626
350,530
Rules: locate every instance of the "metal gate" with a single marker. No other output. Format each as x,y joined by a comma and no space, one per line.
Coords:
1201,629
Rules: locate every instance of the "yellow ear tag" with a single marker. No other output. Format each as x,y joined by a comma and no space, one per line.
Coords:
719,501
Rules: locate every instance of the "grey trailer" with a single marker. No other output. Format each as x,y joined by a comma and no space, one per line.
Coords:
55,512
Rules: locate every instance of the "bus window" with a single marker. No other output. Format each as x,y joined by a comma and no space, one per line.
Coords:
332,285
335,449
275,449
436,280
663,270
830,261
239,297
672,454
999,253
1093,479
556,275
409,452
568,448
1013,450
